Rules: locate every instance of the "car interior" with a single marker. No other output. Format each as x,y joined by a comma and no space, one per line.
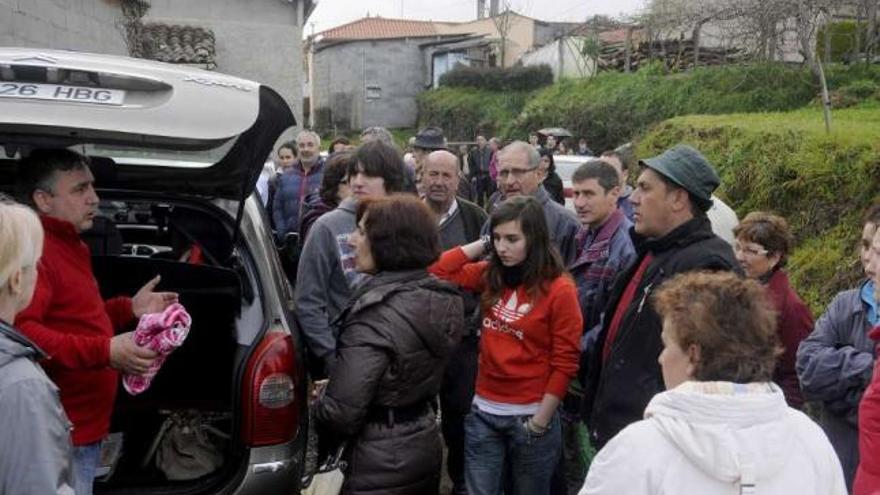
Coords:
191,246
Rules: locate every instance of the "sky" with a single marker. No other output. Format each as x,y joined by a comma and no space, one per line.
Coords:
332,13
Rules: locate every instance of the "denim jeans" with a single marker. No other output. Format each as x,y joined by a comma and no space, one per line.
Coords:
85,462
491,441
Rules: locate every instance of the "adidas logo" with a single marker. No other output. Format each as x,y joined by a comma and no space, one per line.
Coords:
511,311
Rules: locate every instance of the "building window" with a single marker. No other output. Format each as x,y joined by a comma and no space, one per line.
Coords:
374,93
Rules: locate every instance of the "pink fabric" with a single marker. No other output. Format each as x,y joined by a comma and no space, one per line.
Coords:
162,332
493,166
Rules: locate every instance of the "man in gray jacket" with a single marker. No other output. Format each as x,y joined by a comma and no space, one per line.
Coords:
326,273
518,175
834,364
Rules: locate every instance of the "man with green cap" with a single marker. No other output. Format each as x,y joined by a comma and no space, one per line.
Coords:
672,235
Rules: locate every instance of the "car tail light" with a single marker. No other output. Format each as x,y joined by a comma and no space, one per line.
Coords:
568,192
270,412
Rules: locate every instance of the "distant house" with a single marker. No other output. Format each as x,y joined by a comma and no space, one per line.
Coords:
259,39
369,72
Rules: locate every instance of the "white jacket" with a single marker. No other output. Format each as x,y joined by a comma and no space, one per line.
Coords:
718,438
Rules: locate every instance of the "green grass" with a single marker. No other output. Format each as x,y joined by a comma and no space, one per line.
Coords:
786,163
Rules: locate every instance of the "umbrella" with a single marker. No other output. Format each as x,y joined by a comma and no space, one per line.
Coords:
555,131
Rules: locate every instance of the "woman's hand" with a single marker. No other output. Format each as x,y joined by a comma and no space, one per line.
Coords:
476,249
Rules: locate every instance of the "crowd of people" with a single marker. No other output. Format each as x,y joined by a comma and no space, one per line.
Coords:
622,347
627,325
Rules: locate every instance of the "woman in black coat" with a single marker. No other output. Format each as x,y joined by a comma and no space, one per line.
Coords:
552,182
391,353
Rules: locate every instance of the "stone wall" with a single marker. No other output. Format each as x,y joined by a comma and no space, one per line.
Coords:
82,25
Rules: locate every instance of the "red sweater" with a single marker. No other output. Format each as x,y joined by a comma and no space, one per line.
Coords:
794,324
68,320
867,480
527,348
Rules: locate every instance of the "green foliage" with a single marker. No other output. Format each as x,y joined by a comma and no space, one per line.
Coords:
462,112
612,108
843,39
497,79
784,162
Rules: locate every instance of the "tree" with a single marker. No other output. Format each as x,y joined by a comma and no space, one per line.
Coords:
503,22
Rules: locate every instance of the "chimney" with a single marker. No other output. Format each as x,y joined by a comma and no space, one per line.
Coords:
493,8
481,9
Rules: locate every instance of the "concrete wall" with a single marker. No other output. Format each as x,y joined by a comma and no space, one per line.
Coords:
83,25
255,39
367,83
563,56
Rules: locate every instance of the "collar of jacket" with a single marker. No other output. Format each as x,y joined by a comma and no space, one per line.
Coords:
381,286
317,167
694,230
349,204
14,335
602,237
60,228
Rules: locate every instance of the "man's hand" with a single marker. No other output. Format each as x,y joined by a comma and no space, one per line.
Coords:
128,357
146,301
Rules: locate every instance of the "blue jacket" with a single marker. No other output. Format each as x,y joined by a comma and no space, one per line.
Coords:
293,190
834,366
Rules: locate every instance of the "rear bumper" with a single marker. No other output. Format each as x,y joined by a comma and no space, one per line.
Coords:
273,470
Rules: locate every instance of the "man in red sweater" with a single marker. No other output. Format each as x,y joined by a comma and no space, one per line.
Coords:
67,317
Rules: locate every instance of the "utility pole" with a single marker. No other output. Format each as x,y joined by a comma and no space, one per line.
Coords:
481,9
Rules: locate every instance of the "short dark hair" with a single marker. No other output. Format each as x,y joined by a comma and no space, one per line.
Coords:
377,159
603,172
291,145
339,140
731,319
37,170
402,232
769,230
624,155
335,173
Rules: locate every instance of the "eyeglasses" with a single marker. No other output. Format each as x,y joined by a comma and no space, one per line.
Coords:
749,251
517,173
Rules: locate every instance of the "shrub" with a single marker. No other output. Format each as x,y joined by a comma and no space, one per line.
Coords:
462,112
497,79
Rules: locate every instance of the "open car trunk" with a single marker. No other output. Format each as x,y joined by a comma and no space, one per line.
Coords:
179,435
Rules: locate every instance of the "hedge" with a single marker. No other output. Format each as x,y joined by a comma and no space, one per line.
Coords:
496,79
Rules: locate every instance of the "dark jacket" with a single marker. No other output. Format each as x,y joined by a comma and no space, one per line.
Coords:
793,323
395,340
295,187
834,365
478,161
553,185
473,217
619,388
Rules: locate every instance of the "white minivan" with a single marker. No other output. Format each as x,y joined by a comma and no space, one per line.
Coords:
176,153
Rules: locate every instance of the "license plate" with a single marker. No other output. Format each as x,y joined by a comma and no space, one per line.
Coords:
37,91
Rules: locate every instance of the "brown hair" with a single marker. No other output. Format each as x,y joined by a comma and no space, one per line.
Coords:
542,265
731,319
335,173
768,230
402,232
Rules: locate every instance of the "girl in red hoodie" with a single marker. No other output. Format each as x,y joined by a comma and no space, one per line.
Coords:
528,348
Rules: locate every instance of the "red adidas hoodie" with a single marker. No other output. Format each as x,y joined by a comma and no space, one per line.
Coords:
527,348
68,320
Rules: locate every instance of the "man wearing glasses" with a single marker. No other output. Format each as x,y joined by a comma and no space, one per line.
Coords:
518,175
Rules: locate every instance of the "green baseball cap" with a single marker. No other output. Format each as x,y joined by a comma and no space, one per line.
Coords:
688,168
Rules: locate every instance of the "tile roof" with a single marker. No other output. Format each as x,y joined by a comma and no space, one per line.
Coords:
176,44
381,28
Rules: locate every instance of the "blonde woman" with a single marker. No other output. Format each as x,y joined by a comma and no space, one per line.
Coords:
34,431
